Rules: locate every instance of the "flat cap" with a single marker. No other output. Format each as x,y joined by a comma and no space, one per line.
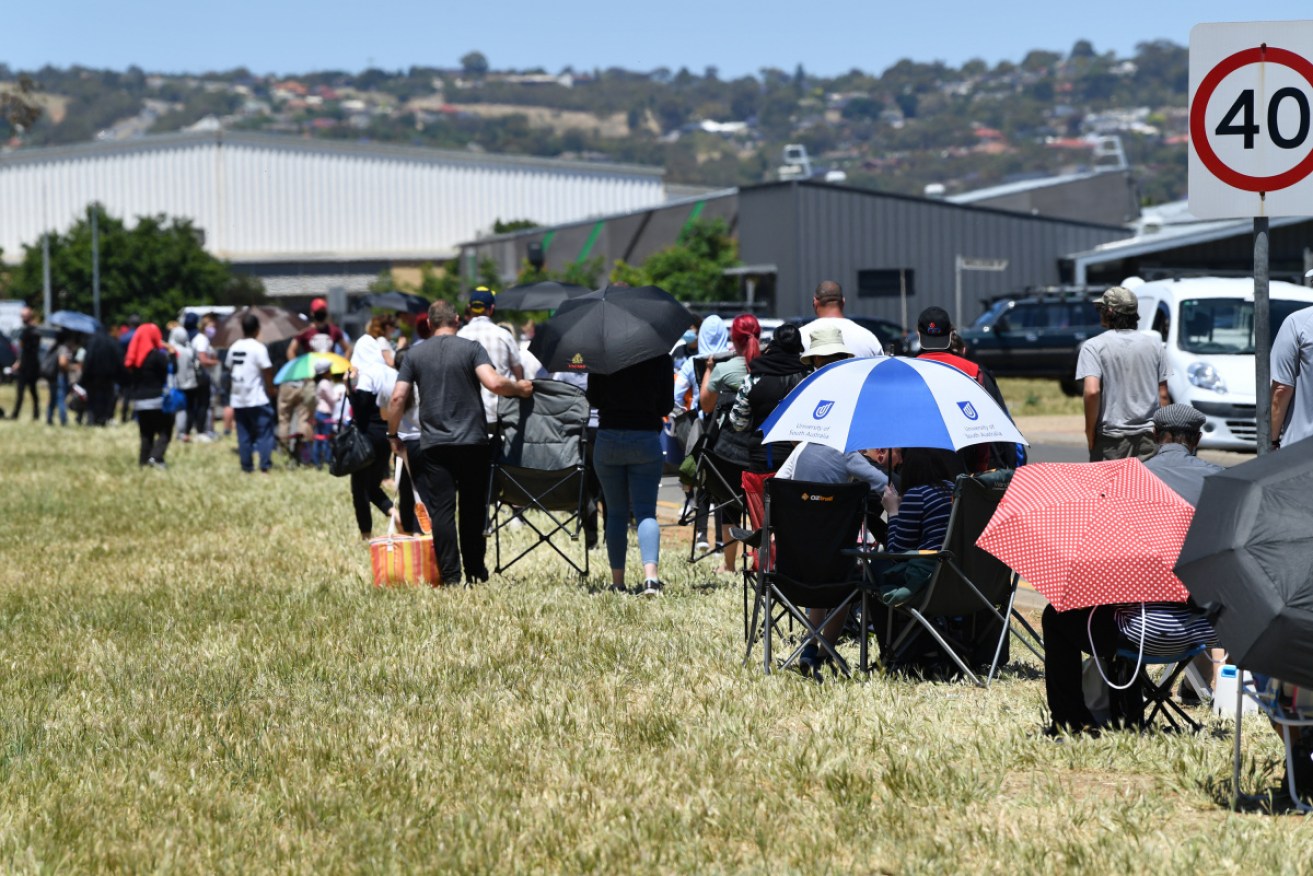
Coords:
1178,417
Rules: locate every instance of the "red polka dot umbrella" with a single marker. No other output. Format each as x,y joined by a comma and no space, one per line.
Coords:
1091,533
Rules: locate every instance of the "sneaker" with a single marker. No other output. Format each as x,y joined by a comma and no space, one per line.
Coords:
619,588
156,463
205,437
652,587
702,545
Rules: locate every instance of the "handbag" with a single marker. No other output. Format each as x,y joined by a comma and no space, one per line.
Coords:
352,450
173,400
403,560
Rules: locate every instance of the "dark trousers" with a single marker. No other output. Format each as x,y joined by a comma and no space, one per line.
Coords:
406,488
27,384
100,403
367,484
255,434
155,427
446,476
1066,641
190,411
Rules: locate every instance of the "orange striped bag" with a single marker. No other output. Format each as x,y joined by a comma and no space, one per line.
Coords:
403,560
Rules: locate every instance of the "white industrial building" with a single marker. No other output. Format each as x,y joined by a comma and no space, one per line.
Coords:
307,214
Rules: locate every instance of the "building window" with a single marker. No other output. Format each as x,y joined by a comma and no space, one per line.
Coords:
885,282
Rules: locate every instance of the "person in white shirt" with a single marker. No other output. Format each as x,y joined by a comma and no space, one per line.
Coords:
827,302
499,344
252,386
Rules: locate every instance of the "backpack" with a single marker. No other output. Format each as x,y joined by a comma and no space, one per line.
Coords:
50,364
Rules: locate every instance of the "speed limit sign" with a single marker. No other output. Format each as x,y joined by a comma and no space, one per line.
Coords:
1251,119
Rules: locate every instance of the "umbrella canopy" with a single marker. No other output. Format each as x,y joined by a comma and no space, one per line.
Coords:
1088,534
547,295
603,332
400,302
303,367
1248,560
276,324
858,404
74,322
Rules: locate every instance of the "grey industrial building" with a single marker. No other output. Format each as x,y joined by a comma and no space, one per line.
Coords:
879,246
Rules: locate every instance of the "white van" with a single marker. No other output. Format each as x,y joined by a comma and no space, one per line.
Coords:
1207,327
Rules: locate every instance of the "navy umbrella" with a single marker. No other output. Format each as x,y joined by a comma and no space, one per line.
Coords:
547,295
74,322
401,302
1248,561
605,331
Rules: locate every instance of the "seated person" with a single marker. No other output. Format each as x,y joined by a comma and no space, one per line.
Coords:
1164,628
918,520
1293,701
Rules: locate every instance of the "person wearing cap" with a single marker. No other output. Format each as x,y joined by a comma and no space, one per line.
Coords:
937,333
1177,429
497,342
322,336
828,302
1124,373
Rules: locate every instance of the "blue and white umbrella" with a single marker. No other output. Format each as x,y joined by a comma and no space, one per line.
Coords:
75,322
858,404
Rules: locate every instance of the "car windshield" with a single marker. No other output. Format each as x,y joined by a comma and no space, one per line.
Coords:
987,318
1225,326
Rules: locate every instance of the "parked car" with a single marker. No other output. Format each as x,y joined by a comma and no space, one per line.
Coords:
1034,336
1207,327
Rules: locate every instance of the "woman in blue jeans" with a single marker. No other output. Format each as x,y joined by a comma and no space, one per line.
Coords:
631,405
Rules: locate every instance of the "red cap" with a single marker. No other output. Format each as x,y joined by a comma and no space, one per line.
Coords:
318,304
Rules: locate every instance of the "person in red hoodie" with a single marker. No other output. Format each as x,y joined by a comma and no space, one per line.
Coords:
936,331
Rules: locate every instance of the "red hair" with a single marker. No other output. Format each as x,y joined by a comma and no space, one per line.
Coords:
145,339
745,335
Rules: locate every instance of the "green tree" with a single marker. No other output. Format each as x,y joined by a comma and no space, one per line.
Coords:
474,64
153,269
500,227
692,269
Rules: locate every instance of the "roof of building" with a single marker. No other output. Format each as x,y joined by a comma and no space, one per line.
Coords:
319,146
1021,187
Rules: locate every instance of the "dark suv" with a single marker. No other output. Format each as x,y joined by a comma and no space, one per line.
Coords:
1034,336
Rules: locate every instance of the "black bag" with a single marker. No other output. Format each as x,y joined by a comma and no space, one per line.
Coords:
352,450
50,364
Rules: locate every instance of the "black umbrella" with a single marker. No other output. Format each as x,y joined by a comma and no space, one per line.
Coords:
400,302
1248,560
547,295
603,332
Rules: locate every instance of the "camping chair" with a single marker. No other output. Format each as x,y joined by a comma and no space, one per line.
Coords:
540,465
754,500
967,583
720,478
1288,706
804,563
1158,694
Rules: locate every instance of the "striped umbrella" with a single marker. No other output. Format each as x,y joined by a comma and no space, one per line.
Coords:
858,404
303,367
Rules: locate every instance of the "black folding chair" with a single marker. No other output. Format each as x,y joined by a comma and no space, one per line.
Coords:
804,562
967,608
1158,694
721,456
540,465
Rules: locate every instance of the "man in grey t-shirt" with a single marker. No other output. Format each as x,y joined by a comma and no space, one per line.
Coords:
1292,370
1124,373
447,371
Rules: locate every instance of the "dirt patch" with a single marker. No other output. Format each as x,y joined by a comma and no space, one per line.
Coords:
613,126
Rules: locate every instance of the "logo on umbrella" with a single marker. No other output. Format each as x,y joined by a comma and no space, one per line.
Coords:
968,410
577,361
822,410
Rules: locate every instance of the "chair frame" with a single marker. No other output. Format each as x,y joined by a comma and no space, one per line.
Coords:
559,519
1160,692
1268,707
771,606
949,573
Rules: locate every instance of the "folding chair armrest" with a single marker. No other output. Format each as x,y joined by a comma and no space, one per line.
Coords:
749,537
904,555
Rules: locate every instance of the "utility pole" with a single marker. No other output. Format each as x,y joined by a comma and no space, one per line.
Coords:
45,275
95,262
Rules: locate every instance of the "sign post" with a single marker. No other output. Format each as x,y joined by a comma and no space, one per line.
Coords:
1251,149
961,264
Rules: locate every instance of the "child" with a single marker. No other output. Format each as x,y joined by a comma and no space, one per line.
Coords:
327,399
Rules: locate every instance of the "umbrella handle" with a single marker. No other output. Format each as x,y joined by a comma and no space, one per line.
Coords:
1139,660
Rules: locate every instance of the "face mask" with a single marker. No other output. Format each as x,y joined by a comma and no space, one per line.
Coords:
209,331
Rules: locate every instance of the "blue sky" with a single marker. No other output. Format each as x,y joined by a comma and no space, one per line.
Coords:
830,37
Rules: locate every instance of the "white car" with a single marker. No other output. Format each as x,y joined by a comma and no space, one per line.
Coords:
1207,327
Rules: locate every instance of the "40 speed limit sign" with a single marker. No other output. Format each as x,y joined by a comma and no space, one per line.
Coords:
1251,119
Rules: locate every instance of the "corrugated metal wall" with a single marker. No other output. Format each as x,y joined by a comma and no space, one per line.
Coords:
265,198
815,232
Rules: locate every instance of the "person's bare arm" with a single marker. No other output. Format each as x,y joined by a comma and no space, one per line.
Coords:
293,349
503,386
1093,399
1282,393
1164,397
396,408
707,398
268,374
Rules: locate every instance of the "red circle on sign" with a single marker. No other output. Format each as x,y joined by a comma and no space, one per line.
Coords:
1199,130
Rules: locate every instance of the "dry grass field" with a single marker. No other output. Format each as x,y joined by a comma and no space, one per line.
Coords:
199,677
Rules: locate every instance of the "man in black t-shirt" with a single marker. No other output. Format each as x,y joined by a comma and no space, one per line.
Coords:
29,362
447,372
